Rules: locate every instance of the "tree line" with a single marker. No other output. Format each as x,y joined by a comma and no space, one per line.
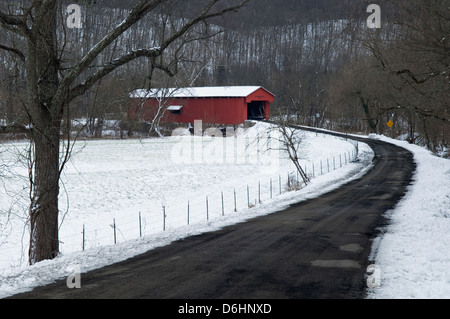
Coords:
319,58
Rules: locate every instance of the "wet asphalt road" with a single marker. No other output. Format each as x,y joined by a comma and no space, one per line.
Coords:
315,249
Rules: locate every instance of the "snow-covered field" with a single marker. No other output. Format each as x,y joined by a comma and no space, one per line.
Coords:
111,181
116,181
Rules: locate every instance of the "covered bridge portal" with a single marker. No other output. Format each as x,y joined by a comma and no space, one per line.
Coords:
214,105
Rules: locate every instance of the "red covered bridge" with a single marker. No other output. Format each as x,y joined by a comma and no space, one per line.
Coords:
213,105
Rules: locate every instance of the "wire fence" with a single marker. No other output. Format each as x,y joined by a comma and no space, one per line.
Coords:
236,200
210,207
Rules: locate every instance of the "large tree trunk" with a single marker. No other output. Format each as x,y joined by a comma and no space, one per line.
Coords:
372,123
51,87
45,116
44,242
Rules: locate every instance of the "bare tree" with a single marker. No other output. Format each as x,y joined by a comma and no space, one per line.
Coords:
412,67
52,84
292,142
290,139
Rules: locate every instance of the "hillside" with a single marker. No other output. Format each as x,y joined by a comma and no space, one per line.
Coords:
318,57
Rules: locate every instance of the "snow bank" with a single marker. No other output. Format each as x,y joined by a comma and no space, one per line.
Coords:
413,253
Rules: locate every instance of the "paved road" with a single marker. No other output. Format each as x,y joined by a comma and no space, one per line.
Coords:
315,249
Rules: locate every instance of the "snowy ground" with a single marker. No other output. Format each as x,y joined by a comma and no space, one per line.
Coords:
114,181
117,180
413,253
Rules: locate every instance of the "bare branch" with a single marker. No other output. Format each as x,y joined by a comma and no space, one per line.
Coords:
13,50
139,11
10,19
14,23
205,15
144,7
411,75
110,67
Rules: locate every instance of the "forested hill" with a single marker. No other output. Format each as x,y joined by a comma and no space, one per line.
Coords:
282,12
319,57
268,12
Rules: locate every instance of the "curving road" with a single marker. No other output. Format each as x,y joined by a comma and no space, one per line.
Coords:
315,249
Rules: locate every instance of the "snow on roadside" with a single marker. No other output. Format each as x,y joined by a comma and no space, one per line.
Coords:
413,251
128,171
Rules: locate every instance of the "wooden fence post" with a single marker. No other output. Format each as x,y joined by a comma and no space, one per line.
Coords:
140,225
235,208
114,226
223,210
207,209
164,218
84,236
